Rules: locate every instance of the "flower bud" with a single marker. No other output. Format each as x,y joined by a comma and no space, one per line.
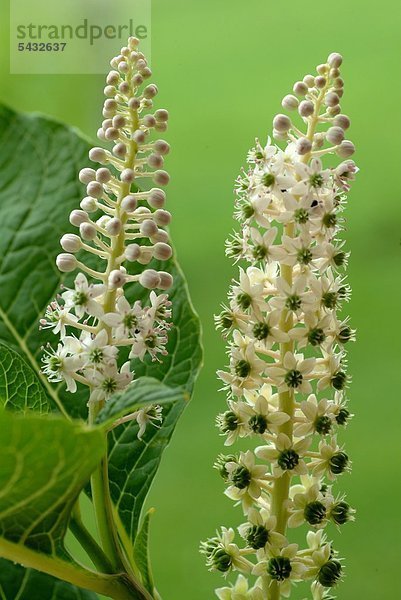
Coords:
331,99
161,115
161,177
300,88
98,155
335,135
132,252
127,176
161,236
160,126
87,175
156,198
94,189
309,80
110,105
134,104
113,78
71,242
129,203
150,91
88,204
66,262
304,146
166,280
155,161
113,226
103,175
320,81
139,136
148,228
109,91
118,121
124,87
342,121
77,217
111,133
149,279
162,251
162,217
345,149
161,147
88,231
290,102
149,121
281,123
120,150
306,108
146,255
117,278
335,60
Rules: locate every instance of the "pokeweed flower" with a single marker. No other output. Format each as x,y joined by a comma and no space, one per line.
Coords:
120,221
286,379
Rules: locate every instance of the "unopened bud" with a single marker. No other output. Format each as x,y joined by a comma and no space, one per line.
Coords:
345,149
71,242
149,279
335,60
77,217
129,203
66,262
98,155
281,123
113,226
87,175
132,252
306,108
304,146
335,135
88,231
161,177
117,278
290,102
162,251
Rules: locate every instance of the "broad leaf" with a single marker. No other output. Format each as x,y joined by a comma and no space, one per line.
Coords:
20,388
18,583
141,552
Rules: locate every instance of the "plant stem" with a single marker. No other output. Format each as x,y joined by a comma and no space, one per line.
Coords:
90,545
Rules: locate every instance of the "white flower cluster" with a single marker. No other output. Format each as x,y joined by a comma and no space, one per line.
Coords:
287,378
97,326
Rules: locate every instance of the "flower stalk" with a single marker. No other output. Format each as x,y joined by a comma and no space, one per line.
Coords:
287,378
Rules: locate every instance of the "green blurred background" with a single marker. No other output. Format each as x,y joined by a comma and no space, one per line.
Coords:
222,69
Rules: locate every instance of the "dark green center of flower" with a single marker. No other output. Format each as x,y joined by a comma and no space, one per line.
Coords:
55,363
109,385
340,513
259,252
80,298
314,512
261,331
339,258
316,180
288,459
151,341
343,416
258,423
244,300
301,216
293,378
225,320
304,256
329,299
293,302
221,462
338,463
323,425
316,336
279,568
221,560
259,155
242,368
257,536
329,573
329,220
268,179
241,477
229,422
130,321
247,210
345,334
96,356
338,380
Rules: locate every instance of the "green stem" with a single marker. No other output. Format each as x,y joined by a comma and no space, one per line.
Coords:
90,545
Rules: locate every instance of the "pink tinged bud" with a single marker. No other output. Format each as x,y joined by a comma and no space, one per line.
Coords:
66,262
280,135
146,73
139,136
162,217
281,123
94,189
114,226
161,115
162,251
123,67
345,149
124,87
109,91
331,99
98,155
306,108
129,203
107,123
290,102
166,280
160,126
335,60
161,236
342,121
148,228
300,88
335,135
134,104
101,135
146,255
118,121
320,81
149,121
103,175
110,105
149,279
87,231
334,110
71,242
88,204
120,150
161,147
141,64
117,278
322,69
77,217
161,177
150,91
137,80
133,42
304,146
111,133
133,252
87,175
155,161
127,176
309,80
156,198
113,78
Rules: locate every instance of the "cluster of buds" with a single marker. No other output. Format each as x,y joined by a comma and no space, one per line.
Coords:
118,223
287,379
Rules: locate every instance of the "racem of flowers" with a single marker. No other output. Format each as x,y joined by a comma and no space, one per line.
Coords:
117,224
287,380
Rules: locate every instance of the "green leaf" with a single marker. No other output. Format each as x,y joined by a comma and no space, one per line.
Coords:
141,552
44,464
20,388
18,583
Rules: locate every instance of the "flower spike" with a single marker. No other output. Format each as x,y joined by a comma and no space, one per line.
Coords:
286,380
